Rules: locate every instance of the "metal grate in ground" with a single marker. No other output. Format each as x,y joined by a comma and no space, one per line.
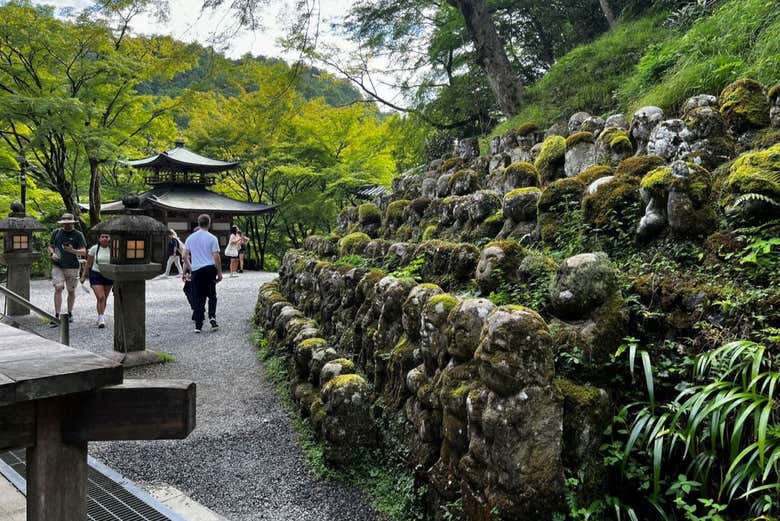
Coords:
110,497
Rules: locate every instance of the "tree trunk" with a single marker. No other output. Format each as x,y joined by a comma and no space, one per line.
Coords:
71,206
491,55
608,14
94,192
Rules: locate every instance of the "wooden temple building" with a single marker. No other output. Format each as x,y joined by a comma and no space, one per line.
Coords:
179,180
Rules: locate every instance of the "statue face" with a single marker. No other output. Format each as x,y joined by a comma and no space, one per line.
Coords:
467,320
432,339
489,260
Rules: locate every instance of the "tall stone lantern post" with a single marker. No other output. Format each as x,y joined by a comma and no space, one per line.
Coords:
132,236
18,254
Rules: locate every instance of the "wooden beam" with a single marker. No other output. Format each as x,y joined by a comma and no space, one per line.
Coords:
56,471
33,368
134,410
17,426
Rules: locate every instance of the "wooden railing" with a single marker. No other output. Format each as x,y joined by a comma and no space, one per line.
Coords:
62,320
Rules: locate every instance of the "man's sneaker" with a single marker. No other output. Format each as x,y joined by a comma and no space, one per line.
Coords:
101,323
214,324
70,318
198,329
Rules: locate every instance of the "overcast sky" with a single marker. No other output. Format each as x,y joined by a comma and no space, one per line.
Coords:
188,23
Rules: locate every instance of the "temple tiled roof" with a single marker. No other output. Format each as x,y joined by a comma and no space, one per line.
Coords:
182,159
190,197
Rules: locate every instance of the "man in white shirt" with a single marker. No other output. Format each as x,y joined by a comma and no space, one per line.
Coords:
205,265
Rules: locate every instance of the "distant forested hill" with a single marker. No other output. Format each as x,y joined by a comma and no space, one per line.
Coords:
216,73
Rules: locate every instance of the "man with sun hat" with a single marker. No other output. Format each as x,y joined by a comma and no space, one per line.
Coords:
65,247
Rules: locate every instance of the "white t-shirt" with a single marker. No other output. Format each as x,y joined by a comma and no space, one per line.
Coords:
201,245
103,257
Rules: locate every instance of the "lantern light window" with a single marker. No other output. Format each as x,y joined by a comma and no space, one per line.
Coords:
135,249
20,242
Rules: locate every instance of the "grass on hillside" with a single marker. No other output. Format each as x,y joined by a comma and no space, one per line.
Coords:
741,39
642,63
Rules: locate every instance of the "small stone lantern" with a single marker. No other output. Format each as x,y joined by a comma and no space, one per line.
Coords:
132,236
18,255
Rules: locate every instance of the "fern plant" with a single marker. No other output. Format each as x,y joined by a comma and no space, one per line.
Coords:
752,197
772,180
722,430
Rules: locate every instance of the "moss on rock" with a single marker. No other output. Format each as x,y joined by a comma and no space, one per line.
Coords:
395,210
639,166
520,191
345,380
561,191
551,158
463,182
580,137
522,173
525,129
353,244
450,164
744,105
774,92
429,233
756,172
368,213
589,175
445,302
614,207
616,140
698,184
656,181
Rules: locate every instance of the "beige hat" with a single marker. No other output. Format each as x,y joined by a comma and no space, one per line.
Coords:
67,218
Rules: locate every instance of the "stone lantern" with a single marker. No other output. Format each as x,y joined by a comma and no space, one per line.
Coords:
18,255
132,235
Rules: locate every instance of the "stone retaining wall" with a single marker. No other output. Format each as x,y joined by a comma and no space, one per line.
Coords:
472,383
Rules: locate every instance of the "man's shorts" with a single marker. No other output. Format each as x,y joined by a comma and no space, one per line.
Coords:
67,276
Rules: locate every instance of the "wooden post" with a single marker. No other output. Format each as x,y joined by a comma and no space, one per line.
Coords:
65,329
56,471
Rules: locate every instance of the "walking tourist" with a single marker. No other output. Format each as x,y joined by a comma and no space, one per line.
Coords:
232,249
174,253
99,254
65,247
242,251
186,277
206,266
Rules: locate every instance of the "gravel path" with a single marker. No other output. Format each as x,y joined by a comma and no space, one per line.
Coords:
242,460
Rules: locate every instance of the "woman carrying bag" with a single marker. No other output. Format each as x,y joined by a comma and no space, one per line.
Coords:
231,250
99,254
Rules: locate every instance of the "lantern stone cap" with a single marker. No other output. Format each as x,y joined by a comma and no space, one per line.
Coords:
19,222
133,222
131,225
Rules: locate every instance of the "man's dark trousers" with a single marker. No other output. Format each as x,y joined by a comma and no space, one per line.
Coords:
204,286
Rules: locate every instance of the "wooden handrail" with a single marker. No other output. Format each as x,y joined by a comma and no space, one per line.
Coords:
62,320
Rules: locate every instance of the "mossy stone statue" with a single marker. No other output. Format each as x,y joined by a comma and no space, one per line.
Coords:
584,282
551,159
744,105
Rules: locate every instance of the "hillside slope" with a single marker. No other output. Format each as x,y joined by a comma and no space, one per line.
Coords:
642,62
